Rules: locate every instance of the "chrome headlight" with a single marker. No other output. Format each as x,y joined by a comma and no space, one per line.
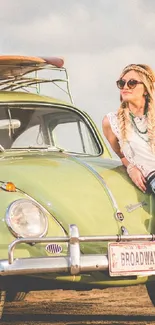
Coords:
25,218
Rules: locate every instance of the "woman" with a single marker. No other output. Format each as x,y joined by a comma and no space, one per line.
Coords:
131,130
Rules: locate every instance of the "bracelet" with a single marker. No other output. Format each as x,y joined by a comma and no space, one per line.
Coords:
121,156
129,168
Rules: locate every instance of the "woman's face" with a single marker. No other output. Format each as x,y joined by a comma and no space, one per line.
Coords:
135,94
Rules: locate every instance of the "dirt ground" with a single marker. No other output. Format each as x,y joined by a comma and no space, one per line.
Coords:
123,306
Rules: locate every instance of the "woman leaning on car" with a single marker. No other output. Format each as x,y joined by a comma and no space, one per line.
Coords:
131,130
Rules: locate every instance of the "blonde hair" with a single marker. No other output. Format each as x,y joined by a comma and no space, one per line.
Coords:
147,76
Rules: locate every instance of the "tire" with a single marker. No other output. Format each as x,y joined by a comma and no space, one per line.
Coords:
150,286
15,296
2,302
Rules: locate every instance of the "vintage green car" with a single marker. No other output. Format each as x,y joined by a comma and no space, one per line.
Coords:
70,217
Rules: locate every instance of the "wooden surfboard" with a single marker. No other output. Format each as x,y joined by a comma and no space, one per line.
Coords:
15,65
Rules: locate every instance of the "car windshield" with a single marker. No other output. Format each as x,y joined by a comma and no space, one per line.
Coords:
53,128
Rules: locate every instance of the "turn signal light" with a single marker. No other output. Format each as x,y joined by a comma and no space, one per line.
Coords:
9,187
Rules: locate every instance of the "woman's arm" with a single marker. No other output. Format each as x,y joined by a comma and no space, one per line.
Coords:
107,131
113,141
134,173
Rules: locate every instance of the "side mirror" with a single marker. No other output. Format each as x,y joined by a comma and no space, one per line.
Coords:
9,124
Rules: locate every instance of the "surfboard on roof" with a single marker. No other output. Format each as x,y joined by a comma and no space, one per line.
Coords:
12,66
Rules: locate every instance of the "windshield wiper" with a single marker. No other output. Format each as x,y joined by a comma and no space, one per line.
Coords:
48,148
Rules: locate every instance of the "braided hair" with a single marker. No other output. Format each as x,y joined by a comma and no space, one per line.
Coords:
147,76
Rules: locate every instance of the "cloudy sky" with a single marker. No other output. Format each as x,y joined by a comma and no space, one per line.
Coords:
97,38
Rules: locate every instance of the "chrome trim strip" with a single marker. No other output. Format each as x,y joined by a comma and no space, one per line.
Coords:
132,207
102,181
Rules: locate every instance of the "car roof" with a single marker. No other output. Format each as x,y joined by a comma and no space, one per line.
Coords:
10,96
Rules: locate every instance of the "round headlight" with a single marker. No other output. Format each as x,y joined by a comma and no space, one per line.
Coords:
25,218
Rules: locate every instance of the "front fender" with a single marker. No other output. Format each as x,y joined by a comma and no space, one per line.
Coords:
6,238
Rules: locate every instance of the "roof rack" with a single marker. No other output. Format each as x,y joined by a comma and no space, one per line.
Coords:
21,73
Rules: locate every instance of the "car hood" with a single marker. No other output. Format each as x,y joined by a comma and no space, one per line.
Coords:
75,191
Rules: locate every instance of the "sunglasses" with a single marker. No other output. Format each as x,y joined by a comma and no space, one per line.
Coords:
132,83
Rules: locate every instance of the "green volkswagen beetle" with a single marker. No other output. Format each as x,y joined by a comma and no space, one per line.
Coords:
70,217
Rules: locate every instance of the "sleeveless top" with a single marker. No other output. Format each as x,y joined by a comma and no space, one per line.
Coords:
137,149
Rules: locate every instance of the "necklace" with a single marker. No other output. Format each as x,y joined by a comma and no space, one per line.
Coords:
135,125
141,136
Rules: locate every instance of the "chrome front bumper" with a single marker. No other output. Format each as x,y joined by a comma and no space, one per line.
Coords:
74,263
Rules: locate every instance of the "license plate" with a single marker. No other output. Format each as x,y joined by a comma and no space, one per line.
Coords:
131,258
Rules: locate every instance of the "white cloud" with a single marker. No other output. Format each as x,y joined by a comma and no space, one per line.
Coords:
74,26
97,39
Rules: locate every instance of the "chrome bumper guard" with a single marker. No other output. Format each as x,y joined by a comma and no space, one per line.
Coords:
73,264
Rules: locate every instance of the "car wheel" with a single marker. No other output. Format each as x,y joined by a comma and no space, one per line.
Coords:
2,302
150,286
15,296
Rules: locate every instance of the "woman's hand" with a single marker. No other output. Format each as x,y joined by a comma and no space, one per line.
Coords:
137,177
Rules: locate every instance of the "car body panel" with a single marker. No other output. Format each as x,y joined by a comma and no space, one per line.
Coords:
59,175
48,175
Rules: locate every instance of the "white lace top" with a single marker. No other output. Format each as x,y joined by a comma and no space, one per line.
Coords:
137,150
